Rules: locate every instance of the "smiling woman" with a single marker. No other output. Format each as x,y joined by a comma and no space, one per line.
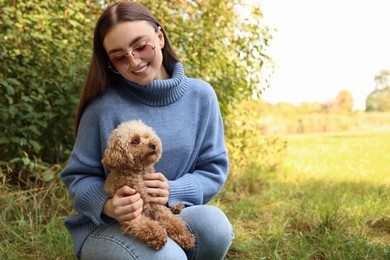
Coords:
136,75
140,63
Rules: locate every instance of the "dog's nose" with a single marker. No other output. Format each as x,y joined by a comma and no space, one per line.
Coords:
153,146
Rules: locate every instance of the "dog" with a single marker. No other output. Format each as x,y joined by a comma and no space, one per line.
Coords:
132,150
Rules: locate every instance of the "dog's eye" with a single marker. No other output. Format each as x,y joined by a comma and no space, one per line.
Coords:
135,142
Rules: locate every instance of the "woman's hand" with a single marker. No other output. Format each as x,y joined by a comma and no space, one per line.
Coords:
124,206
157,187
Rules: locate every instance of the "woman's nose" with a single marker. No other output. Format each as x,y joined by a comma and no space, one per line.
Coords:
133,62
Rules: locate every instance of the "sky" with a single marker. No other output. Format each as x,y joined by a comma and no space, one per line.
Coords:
325,46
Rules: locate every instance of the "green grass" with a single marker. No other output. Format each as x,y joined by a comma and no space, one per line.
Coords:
330,200
31,223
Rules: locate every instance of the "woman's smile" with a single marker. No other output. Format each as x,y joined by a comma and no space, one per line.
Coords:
140,71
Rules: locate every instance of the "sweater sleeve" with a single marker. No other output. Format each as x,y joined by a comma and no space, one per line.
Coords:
84,175
207,177
200,186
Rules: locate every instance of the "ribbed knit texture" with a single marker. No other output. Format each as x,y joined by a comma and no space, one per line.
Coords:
184,113
161,92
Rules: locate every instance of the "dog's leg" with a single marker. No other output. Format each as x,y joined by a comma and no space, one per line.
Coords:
148,231
177,208
175,227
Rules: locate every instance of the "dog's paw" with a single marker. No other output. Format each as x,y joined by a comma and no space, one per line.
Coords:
148,231
157,242
185,241
177,208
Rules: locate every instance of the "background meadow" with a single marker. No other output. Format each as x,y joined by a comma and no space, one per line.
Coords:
314,195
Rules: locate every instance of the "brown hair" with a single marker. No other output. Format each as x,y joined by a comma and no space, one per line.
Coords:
99,76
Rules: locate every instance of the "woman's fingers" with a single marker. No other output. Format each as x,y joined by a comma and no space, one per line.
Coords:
131,212
157,187
126,204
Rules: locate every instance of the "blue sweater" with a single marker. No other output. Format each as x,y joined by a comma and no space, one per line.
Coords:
185,114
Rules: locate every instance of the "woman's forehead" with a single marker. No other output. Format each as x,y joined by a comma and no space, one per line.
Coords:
125,34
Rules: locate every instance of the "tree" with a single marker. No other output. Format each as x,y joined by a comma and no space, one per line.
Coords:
311,107
382,80
379,99
344,101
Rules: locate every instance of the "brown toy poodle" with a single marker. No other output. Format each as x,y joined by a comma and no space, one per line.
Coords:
132,150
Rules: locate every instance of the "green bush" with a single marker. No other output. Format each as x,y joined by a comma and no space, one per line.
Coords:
252,155
378,100
45,47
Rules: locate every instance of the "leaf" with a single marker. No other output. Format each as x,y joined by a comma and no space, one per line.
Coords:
26,161
48,175
13,110
9,89
74,23
35,145
13,81
3,140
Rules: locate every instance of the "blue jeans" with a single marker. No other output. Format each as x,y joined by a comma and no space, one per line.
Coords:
213,231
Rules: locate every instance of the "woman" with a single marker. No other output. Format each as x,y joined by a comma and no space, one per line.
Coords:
135,74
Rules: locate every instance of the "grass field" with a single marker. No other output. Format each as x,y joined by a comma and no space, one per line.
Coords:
329,200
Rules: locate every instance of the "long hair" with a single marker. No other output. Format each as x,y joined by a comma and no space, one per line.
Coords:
99,76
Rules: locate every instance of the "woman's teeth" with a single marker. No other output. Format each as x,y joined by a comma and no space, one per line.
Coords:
140,70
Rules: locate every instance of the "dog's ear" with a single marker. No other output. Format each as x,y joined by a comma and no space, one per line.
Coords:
114,156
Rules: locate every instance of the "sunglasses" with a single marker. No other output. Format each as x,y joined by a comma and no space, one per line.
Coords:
120,62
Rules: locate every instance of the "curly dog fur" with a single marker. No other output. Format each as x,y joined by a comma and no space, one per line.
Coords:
132,150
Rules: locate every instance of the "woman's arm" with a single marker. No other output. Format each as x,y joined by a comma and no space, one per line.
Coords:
84,175
211,167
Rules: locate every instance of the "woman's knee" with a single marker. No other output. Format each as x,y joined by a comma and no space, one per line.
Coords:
110,243
105,247
208,219
212,229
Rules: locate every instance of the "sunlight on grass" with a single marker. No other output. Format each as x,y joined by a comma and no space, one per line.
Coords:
330,200
339,157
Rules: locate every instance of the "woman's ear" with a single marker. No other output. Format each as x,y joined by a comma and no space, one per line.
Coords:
161,38
114,157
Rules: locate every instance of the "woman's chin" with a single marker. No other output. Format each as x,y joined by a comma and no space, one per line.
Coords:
142,81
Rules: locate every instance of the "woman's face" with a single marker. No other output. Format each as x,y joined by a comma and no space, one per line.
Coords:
134,49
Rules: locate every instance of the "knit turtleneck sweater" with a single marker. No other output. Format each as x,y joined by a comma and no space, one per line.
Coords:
185,114
161,92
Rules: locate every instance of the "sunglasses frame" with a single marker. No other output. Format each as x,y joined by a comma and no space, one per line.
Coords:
130,53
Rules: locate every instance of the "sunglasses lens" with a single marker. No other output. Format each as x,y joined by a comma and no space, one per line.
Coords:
145,53
120,62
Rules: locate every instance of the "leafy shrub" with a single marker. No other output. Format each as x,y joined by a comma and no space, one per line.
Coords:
378,100
252,155
45,47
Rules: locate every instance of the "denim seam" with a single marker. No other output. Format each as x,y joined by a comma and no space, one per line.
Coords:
193,231
118,242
